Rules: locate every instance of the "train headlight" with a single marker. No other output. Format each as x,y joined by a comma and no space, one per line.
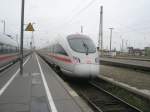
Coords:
97,60
76,59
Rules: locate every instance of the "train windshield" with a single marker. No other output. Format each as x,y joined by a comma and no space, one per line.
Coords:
82,45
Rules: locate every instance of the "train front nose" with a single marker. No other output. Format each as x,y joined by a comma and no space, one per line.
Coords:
86,70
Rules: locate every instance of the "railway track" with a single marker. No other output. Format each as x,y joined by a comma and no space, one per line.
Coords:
101,100
6,66
97,97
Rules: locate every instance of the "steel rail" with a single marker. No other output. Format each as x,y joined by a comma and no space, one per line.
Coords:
94,84
105,101
5,66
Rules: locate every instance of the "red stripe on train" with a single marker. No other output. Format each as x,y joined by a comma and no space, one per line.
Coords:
7,57
60,58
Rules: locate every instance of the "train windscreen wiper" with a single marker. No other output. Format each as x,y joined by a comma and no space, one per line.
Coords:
86,47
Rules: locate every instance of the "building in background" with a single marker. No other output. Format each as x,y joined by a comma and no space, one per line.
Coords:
147,51
136,51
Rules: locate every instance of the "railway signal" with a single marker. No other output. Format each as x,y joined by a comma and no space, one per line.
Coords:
30,28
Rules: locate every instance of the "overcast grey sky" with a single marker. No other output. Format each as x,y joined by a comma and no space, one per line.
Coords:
129,18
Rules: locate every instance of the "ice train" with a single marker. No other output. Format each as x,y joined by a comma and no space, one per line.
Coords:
9,50
75,55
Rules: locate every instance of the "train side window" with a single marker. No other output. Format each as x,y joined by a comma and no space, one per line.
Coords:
51,49
1,48
5,49
58,49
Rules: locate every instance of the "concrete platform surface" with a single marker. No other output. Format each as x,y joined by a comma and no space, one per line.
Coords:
38,89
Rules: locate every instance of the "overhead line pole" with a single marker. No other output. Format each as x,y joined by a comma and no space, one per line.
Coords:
4,26
111,37
33,37
32,40
122,45
101,28
81,29
21,38
99,35
100,40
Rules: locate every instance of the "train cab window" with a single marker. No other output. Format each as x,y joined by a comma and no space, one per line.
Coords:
58,49
82,45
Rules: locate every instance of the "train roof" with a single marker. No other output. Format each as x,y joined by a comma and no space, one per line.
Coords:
7,40
77,36
63,37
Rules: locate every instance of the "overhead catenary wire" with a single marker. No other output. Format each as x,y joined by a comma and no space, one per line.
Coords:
70,20
74,9
136,28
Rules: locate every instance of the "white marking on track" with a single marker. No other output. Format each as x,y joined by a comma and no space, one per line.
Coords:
12,78
50,98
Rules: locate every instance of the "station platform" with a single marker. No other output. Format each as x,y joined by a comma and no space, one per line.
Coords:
129,63
38,89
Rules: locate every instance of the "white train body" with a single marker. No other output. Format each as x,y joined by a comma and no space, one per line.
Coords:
9,51
75,55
